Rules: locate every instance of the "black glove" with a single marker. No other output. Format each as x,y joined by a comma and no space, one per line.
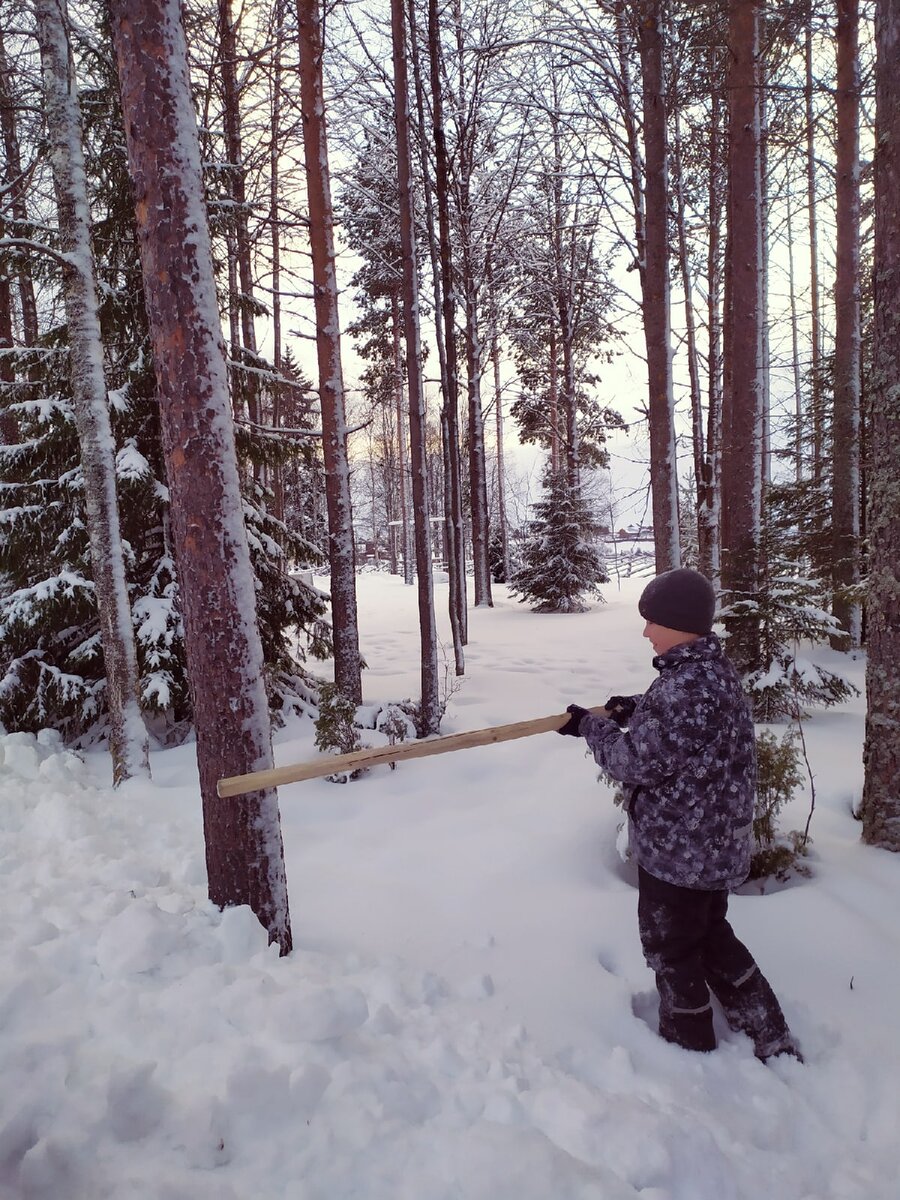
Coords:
620,708
570,729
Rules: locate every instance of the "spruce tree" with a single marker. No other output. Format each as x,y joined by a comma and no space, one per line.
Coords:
560,560
51,665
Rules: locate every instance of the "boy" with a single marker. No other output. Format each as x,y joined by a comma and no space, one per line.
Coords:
685,752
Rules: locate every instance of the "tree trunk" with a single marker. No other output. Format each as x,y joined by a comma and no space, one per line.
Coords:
710,510
881,795
502,526
430,711
765,401
15,181
244,854
450,413
742,400
275,234
553,398
698,439
328,347
847,340
400,433
817,404
477,465
656,293
237,186
128,737
457,629
8,423
795,335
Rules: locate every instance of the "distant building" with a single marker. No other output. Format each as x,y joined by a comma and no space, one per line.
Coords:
635,533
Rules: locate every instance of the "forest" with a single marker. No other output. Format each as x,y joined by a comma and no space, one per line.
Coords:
285,289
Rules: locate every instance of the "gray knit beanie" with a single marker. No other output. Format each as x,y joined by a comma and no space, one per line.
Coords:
680,599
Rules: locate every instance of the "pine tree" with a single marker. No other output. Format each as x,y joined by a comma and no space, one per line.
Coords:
560,560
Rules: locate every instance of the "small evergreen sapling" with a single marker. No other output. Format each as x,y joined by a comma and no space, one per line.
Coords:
336,728
790,614
779,775
790,607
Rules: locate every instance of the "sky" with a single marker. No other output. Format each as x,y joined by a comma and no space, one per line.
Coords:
466,1014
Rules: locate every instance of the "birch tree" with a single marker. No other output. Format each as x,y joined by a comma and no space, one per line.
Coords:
244,855
881,790
128,737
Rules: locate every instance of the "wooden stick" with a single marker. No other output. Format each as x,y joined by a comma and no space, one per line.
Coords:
237,785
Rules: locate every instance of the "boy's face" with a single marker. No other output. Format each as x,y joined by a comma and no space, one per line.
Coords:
663,639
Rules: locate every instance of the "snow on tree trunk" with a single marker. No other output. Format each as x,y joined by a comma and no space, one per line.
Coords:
656,293
244,856
430,711
128,736
328,347
743,395
847,337
881,791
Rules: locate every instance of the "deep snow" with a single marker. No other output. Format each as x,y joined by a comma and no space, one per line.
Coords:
457,1019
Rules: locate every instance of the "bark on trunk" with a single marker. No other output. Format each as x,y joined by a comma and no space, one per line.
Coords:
477,465
15,181
710,512
450,412
795,335
244,855
275,235
881,790
430,710
128,737
244,299
742,423
698,439
656,293
400,434
847,339
502,526
816,402
328,347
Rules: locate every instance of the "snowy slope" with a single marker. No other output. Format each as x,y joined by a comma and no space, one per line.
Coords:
456,1022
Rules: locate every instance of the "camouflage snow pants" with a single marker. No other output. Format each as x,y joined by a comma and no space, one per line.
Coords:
693,950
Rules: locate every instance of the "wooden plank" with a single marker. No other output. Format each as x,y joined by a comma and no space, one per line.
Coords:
237,785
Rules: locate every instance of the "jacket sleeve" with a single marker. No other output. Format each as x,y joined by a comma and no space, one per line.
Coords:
669,730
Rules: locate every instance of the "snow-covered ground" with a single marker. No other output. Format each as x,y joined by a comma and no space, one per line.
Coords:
457,1019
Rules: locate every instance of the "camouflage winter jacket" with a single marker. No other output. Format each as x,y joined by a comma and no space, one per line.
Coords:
688,765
